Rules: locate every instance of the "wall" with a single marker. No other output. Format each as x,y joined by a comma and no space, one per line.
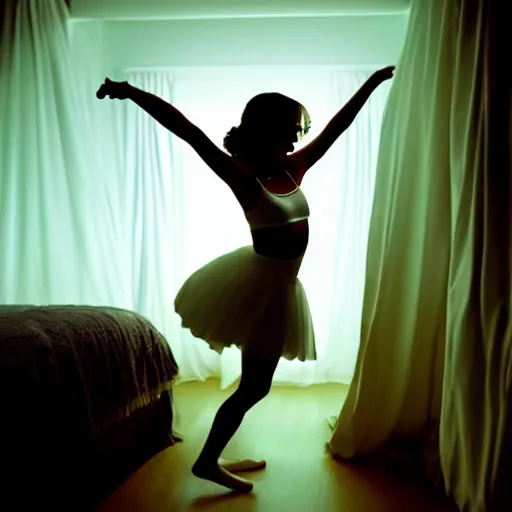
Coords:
344,40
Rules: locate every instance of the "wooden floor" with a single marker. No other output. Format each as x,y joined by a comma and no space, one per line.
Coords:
288,429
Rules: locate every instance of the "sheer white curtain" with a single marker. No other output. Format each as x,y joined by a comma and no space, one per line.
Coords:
57,232
181,215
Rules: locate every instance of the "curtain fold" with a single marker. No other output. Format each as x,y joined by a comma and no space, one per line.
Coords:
436,341
403,320
476,417
354,162
151,206
54,222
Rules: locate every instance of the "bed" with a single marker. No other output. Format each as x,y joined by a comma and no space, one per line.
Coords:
86,398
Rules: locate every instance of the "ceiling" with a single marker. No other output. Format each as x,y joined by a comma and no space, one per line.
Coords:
205,9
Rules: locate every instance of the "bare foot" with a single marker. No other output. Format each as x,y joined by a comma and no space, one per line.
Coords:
331,422
242,465
216,473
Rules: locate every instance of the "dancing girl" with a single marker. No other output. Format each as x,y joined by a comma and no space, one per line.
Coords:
251,297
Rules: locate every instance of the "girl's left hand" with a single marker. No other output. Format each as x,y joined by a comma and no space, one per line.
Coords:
384,74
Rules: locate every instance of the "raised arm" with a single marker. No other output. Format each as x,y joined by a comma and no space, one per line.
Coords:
171,118
306,157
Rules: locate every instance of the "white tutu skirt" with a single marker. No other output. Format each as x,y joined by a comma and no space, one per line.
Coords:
245,299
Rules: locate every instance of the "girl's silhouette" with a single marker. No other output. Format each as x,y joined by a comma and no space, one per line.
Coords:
252,297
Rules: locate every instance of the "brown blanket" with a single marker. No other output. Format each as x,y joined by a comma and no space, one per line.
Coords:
101,363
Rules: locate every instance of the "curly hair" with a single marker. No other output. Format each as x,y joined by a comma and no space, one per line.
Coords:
233,141
263,113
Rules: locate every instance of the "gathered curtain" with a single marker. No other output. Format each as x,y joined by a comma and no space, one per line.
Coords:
436,339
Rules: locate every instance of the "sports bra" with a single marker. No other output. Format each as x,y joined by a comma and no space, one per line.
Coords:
277,209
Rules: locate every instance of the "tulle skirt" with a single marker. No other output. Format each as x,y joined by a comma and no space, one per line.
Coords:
245,299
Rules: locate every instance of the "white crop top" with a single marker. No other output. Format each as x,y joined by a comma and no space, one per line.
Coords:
277,209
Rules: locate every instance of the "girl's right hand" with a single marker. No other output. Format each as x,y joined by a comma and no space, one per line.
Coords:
114,90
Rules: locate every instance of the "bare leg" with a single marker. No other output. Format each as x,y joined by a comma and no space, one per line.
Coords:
257,373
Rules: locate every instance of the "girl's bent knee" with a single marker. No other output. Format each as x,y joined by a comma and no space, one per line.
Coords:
254,393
